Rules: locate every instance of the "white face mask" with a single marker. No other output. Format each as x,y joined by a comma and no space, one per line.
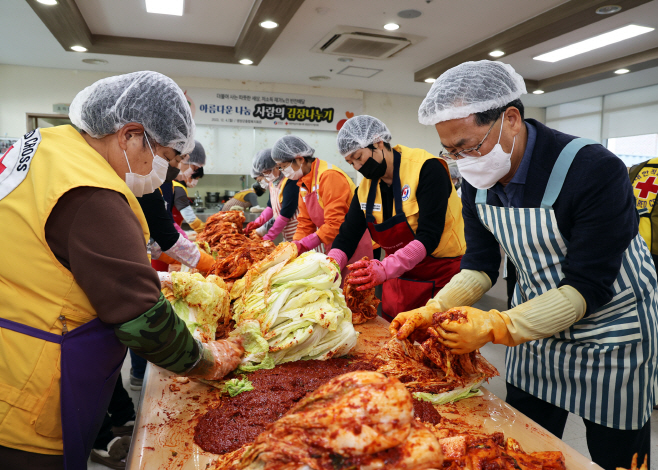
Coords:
291,174
263,184
271,178
485,171
146,184
192,183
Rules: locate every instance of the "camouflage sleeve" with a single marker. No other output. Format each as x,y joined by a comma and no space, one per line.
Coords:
161,337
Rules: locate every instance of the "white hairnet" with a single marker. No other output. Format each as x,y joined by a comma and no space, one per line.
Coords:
198,155
359,132
471,87
148,98
288,147
263,162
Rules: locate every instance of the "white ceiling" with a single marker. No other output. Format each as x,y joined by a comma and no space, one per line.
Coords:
447,25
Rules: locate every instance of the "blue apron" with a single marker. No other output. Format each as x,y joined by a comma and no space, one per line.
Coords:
603,367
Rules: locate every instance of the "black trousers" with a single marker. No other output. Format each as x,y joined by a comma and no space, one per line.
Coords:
120,410
609,448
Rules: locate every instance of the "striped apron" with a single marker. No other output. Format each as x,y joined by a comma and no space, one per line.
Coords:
603,367
291,227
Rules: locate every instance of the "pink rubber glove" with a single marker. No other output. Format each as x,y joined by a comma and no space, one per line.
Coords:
375,273
307,243
276,228
370,273
180,230
339,256
262,218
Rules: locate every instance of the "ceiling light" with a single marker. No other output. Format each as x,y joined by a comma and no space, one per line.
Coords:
596,42
246,62
48,2
94,61
165,7
430,80
621,71
78,49
319,78
391,26
344,59
608,9
269,24
496,53
538,92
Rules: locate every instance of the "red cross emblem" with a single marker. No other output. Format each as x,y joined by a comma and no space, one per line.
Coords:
2,167
647,187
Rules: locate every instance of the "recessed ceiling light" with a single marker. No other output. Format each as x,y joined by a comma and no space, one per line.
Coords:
409,14
165,7
608,9
596,42
391,26
78,49
94,61
538,92
48,2
496,53
319,78
621,71
246,61
430,80
344,59
269,24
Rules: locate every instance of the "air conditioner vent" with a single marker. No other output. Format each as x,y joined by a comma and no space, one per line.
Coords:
359,42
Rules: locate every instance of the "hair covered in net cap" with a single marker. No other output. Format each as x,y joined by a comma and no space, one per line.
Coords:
148,98
288,147
263,162
198,155
471,87
359,132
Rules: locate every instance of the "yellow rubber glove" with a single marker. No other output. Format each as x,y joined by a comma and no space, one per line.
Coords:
474,330
465,288
197,225
541,317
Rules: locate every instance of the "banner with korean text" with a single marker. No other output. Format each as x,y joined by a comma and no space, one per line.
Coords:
275,110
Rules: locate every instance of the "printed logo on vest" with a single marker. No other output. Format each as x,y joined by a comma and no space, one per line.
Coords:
16,162
406,192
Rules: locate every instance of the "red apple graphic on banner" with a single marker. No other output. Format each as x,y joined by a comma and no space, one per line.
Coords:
342,122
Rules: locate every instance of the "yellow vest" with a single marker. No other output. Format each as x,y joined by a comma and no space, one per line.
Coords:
36,289
240,195
319,167
644,178
281,186
452,241
177,184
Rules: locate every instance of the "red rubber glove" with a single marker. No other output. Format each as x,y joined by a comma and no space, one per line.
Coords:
369,273
307,243
252,226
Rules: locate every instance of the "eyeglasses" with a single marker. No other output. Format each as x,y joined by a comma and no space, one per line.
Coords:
281,168
473,151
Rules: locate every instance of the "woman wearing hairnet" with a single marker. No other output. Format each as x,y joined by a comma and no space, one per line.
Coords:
582,330
408,205
77,287
247,197
191,169
325,194
283,201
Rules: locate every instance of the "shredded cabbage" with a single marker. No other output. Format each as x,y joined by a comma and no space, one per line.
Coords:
236,386
467,391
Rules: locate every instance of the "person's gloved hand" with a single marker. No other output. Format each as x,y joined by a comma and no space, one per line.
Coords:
252,226
474,330
307,243
205,263
218,359
369,274
197,225
412,324
339,257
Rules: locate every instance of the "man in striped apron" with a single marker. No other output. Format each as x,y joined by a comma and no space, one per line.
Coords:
583,324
